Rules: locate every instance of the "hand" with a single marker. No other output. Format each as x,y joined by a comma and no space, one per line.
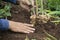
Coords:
20,27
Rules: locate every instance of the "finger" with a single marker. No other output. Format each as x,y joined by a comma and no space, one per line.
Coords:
31,25
21,30
24,30
30,28
28,31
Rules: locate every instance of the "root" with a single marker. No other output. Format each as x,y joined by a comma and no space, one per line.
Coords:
41,18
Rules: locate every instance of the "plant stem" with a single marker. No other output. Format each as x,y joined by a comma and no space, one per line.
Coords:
36,7
6,17
49,35
42,7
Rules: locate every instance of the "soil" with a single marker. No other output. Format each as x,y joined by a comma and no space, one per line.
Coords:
21,15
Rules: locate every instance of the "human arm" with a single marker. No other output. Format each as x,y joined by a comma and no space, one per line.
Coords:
4,24
15,26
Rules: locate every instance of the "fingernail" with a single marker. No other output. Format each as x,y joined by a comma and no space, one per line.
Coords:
33,29
32,25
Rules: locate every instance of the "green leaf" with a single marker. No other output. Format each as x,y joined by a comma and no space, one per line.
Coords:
7,7
56,21
2,11
1,16
55,13
8,14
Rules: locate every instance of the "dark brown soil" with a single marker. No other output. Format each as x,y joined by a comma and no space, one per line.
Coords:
21,15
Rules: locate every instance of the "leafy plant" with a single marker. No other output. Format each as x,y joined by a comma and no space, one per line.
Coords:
4,12
44,15
56,16
40,13
53,4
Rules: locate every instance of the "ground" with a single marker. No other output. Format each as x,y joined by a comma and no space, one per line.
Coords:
21,15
